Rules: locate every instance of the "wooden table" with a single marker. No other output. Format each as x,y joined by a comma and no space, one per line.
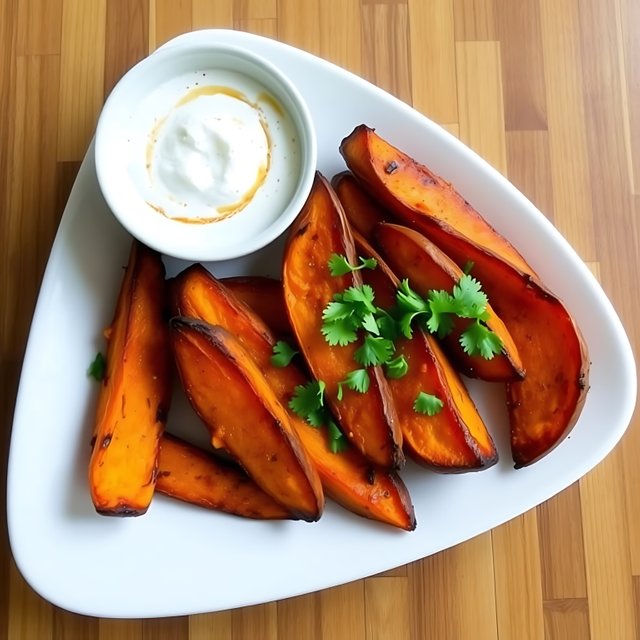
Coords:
549,92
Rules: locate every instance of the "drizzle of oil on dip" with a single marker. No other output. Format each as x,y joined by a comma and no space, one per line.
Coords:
208,157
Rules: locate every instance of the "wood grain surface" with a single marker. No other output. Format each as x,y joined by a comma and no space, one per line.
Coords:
549,92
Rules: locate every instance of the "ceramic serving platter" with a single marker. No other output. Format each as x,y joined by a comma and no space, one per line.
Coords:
178,559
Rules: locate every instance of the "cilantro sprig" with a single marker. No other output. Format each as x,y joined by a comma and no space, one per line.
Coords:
308,403
428,404
283,353
339,265
98,367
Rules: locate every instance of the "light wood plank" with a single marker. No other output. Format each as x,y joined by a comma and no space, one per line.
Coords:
518,26
566,619
31,616
113,629
342,612
126,38
298,24
518,581
71,626
341,33
255,9
457,597
606,546
561,547
211,625
161,628
81,75
386,56
636,599
528,167
267,27
300,618
480,104
38,36
433,59
387,608
566,123
259,622
475,19
212,15
172,17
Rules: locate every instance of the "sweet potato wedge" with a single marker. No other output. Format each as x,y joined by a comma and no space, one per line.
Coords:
411,255
188,473
348,478
392,176
455,439
265,297
135,393
545,405
367,419
229,393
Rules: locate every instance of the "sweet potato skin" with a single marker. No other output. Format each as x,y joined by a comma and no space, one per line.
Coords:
544,407
188,473
348,478
411,255
367,419
239,408
265,297
454,440
387,170
135,393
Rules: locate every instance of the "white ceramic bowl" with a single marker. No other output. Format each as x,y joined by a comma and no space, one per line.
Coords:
148,95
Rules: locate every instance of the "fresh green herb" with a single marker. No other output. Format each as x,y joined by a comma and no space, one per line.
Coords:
428,404
396,368
374,350
347,312
468,265
339,265
282,354
98,367
477,339
308,403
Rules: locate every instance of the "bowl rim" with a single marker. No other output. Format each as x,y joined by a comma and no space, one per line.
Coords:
165,243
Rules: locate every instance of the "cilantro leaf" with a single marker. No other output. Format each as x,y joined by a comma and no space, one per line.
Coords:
339,265
408,300
358,380
478,339
396,368
337,440
336,311
341,331
442,304
98,367
282,354
362,296
374,350
470,300
308,400
428,404
370,324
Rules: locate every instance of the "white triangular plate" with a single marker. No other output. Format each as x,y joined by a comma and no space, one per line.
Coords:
179,559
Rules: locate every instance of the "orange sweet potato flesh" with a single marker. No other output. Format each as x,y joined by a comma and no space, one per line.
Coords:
230,394
387,170
455,439
348,477
367,419
411,255
135,394
265,297
188,473
543,407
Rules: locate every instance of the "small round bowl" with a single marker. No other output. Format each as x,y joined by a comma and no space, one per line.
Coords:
132,122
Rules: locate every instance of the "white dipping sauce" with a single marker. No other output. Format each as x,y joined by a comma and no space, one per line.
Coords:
216,145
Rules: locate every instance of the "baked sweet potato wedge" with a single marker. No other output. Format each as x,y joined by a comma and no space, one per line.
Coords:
411,255
188,473
392,177
545,405
265,297
230,394
453,440
348,477
135,394
367,419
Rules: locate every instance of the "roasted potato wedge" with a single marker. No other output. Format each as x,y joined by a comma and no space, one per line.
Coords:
367,419
230,394
453,440
546,404
411,255
135,393
188,473
265,297
348,478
